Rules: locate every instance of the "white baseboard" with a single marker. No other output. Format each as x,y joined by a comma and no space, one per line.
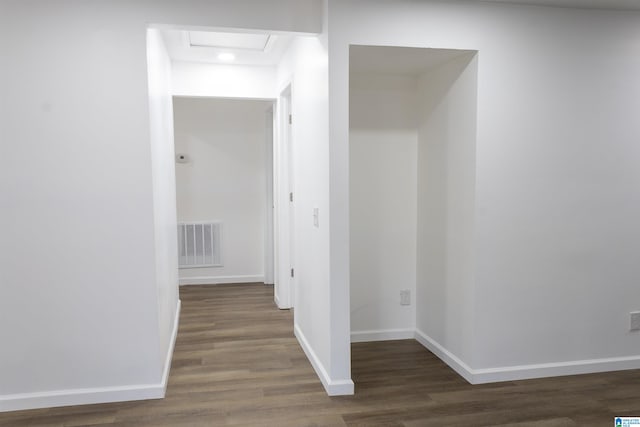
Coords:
172,346
277,301
544,370
333,387
50,399
382,335
219,280
281,305
72,397
464,370
525,372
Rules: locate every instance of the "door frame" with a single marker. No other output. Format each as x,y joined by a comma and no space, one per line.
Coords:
269,242
284,292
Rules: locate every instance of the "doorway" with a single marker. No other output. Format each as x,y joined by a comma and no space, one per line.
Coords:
223,173
238,65
284,292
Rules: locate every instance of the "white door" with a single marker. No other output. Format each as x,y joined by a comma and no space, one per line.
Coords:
292,201
285,203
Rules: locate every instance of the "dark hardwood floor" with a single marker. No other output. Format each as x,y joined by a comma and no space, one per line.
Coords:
237,362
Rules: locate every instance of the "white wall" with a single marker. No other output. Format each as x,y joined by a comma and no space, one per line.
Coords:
383,149
556,175
164,190
446,205
305,67
79,297
557,229
224,180
226,81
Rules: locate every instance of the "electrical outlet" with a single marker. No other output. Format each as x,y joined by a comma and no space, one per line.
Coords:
405,297
634,321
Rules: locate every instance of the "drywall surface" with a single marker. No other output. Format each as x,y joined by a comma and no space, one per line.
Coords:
305,67
383,148
556,238
79,297
164,187
227,81
446,205
224,180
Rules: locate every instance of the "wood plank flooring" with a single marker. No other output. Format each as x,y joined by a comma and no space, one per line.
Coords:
237,363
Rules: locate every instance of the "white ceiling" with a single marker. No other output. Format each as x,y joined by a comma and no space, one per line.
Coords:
582,4
183,46
399,60
396,60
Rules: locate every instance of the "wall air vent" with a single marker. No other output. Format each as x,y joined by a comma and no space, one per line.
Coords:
199,244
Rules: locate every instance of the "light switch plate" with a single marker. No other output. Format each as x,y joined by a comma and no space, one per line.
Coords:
634,321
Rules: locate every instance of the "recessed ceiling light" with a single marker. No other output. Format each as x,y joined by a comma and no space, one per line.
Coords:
226,57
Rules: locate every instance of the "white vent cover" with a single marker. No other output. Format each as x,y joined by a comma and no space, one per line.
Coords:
199,244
